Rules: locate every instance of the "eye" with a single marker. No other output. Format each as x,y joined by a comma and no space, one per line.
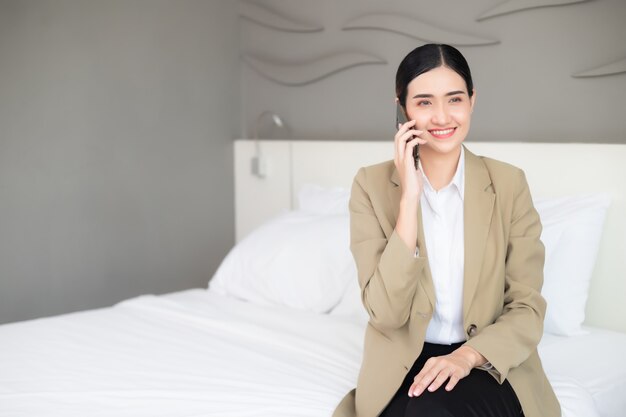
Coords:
423,103
456,100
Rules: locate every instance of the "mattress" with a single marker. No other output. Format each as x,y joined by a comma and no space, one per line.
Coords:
588,372
197,353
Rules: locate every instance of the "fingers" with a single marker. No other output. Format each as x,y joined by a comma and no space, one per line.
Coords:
420,384
431,380
406,126
452,383
443,375
408,151
434,374
401,139
405,139
425,377
405,133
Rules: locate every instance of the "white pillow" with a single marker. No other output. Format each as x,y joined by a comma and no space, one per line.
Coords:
572,228
351,304
322,200
300,260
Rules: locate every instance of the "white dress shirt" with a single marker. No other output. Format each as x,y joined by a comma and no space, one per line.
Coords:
442,218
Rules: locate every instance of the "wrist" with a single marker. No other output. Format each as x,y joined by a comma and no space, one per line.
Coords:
409,200
472,356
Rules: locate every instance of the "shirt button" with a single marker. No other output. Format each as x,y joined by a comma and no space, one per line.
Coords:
471,330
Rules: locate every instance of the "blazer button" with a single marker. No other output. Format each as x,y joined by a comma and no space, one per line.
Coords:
471,330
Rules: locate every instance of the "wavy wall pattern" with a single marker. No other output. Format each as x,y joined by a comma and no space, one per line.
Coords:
512,6
279,50
303,73
618,67
265,16
414,28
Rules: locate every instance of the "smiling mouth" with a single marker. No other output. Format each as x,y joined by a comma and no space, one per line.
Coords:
442,133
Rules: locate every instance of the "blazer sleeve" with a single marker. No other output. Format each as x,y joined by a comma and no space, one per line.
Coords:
515,334
388,270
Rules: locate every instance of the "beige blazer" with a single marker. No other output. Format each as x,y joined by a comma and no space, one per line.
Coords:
503,310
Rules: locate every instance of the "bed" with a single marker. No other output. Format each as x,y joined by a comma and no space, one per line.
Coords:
263,340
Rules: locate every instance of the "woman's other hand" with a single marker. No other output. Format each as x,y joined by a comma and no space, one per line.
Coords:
411,179
452,368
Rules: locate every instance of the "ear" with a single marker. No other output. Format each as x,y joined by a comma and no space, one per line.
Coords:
472,100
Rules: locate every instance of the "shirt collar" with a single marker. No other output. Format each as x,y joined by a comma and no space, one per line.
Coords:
458,180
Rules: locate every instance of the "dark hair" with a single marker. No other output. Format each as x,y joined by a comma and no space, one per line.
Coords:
425,58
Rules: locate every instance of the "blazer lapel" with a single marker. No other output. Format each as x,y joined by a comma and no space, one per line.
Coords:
478,207
395,193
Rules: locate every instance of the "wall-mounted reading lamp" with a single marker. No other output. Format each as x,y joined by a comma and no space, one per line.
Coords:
258,163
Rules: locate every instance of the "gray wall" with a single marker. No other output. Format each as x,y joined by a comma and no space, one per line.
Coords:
116,118
116,124
526,88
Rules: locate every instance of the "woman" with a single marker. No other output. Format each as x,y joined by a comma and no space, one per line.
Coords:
450,264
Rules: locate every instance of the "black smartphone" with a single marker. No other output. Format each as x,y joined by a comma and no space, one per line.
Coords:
402,119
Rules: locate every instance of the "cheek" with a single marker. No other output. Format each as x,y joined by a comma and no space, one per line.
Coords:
461,115
420,116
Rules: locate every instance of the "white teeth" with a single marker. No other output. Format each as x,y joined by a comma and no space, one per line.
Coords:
442,132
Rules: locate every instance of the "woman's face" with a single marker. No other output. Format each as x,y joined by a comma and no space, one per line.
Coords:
439,102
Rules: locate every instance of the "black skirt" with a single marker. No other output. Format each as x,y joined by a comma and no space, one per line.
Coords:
476,395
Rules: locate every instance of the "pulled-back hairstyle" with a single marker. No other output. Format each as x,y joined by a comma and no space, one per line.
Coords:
425,58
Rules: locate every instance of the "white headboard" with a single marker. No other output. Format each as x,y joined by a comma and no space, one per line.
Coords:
552,170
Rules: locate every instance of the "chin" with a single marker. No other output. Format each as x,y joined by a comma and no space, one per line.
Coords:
445,146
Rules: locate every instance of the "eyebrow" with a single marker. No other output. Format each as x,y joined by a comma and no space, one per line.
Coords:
451,93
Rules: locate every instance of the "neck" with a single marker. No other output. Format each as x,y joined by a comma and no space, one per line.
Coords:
439,168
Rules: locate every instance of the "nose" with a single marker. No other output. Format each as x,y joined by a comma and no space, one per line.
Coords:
441,116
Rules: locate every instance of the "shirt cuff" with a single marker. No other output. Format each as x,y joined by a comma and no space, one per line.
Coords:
486,367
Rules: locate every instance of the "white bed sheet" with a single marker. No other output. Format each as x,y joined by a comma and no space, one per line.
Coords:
196,353
590,367
191,353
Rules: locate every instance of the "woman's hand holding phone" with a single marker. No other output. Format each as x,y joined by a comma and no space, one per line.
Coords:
411,182
411,179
